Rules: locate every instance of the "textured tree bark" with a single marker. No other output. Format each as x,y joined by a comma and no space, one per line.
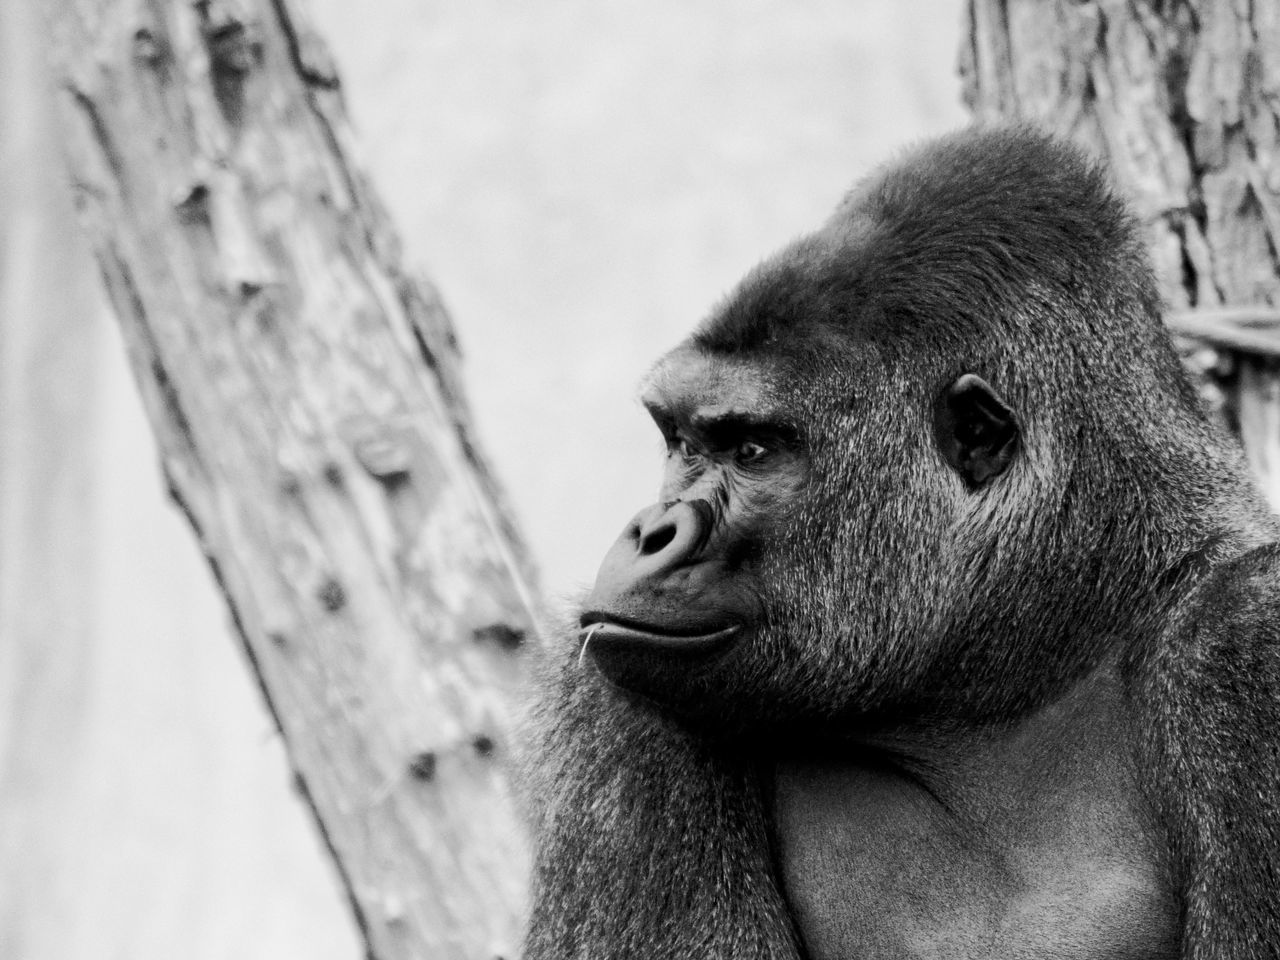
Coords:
304,389
1182,98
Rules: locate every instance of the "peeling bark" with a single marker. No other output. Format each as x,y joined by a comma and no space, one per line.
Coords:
305,392
1182,97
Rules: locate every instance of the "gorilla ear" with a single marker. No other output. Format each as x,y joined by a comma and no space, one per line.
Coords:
975,430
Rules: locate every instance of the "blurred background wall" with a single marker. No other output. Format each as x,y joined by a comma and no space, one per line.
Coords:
583,180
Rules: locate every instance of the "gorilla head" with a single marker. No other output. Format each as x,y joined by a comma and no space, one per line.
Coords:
920,463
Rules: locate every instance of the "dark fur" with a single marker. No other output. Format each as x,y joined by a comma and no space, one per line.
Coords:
1126,532
654,841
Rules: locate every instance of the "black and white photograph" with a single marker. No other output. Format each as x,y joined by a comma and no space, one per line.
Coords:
623,480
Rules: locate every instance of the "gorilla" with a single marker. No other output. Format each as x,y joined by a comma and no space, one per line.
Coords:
955,630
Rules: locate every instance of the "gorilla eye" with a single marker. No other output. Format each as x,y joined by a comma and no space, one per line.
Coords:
750,452
681,448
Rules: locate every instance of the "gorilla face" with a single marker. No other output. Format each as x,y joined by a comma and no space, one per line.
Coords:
773,579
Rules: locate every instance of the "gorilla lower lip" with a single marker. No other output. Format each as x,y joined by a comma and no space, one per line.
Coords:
619,637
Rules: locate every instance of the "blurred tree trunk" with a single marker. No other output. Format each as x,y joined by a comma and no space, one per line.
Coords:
1181,97
304,390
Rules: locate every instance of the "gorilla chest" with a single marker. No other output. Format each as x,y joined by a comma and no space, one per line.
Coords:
874,866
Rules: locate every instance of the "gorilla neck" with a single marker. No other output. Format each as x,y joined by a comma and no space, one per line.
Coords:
1044,815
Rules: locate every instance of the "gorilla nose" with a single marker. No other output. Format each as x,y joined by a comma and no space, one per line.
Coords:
656,577
667,535
654,531
634,577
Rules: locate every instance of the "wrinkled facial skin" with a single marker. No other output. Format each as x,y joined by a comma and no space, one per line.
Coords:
684,587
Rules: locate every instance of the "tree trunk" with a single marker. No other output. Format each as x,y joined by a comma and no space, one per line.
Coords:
1181,97
305,394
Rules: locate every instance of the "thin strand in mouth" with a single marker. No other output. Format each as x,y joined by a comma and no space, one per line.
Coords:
587,639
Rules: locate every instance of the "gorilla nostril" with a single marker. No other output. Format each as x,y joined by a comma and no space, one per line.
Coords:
655,540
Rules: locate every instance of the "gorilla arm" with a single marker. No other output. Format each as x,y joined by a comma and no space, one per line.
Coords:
639,822
1216,745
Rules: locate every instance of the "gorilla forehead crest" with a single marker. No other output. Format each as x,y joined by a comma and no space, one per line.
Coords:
963,230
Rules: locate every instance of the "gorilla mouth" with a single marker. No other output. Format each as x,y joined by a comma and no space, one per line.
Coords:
623,636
